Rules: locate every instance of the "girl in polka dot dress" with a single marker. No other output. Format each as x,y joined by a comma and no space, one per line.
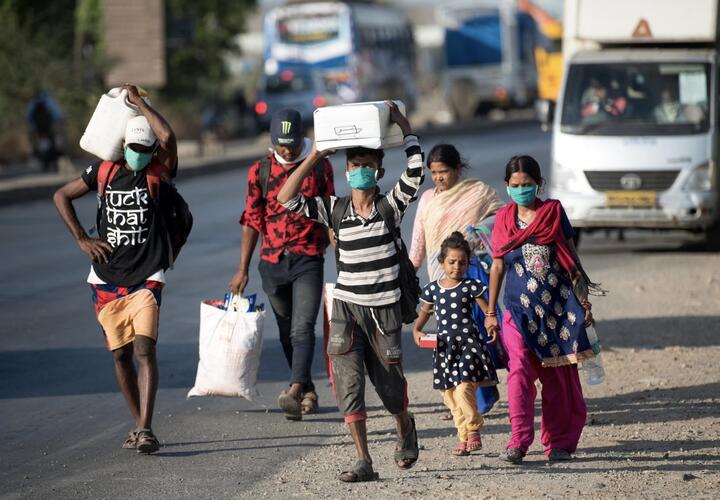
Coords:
461,362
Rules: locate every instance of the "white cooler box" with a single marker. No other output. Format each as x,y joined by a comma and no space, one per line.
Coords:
365,124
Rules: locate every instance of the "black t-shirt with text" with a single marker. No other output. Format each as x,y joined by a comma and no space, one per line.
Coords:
128,221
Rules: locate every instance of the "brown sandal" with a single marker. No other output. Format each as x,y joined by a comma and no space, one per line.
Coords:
309,403
290,405
131,441
147,442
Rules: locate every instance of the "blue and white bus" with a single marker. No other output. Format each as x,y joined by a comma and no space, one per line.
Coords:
362,51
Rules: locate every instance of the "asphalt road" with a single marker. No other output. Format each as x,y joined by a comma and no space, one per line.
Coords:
62,419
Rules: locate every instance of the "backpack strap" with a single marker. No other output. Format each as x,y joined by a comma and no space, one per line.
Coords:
338,213
106,172
388,216
264,175
320,175
156,173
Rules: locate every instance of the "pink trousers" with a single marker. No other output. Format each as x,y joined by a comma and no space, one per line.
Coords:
563,405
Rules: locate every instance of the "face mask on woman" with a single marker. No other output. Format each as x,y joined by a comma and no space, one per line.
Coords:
523,195
362,178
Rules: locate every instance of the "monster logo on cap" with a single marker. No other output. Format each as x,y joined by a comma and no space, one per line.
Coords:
286,128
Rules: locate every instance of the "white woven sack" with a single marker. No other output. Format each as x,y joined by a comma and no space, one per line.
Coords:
230,348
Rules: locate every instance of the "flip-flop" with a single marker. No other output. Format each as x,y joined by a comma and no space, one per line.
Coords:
147,442
361,472
290,405
407,447
131,441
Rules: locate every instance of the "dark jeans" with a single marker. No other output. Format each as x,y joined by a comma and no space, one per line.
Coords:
294,286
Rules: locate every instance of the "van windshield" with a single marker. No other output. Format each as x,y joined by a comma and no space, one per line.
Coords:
637,99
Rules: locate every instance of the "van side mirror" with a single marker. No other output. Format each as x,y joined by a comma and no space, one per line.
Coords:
544,110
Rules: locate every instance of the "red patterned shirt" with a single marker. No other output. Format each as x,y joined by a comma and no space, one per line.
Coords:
281,229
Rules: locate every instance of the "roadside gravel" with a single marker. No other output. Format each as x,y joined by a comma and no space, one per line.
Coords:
653,428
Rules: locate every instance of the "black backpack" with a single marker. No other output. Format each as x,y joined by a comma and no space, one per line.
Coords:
409,282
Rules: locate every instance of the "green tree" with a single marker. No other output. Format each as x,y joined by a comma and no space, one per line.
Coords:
37,53
200,35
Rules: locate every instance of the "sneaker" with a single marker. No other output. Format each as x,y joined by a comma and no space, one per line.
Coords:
558,454
512,455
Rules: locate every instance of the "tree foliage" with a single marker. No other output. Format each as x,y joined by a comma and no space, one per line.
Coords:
35,53
200,35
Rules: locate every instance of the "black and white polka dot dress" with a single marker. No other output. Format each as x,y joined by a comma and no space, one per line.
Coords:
461,355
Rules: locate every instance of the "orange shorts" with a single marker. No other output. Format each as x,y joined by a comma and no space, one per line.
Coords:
124,318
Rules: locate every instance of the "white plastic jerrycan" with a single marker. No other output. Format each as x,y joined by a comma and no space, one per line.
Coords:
105,132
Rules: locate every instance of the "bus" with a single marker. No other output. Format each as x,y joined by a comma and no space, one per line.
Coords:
362,51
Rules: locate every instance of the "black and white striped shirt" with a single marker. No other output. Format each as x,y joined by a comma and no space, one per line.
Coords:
368,265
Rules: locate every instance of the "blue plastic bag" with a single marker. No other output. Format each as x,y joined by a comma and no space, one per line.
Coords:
486,396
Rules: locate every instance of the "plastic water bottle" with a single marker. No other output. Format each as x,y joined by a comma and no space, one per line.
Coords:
593,367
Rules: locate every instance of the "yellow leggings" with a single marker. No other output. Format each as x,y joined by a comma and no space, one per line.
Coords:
462,403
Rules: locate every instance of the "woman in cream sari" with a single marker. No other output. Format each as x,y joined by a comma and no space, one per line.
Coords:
457,204
453,205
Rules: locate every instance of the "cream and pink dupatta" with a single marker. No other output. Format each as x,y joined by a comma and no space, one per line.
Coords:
467,203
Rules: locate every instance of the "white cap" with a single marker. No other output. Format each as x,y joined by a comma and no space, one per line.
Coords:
138,131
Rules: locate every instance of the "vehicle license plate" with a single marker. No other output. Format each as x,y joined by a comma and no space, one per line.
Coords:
634,199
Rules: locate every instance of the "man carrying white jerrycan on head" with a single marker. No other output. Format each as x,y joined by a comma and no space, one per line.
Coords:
130,255
369,306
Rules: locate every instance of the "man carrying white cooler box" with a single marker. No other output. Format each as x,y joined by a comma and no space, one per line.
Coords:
367,316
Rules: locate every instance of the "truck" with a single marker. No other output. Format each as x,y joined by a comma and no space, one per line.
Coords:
547,49
635,132
488,56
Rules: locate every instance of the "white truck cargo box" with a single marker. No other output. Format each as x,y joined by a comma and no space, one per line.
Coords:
364,124
642,21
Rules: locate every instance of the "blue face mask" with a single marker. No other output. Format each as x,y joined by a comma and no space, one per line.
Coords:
137,161
523,195
362,178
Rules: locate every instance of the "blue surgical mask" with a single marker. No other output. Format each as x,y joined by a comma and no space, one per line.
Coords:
362,178
137,161
523,195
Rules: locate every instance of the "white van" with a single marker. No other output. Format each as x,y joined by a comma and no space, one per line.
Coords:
635,137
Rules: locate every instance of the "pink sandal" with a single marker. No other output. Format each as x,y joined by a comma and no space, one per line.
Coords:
474,443
461,450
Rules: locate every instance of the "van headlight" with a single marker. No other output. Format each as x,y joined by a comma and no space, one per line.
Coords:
700,179
564,179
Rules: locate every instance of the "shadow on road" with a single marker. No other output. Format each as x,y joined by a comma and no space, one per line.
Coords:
658,333
65,372
656,406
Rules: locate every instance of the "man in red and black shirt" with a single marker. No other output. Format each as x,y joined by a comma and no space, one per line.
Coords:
291,255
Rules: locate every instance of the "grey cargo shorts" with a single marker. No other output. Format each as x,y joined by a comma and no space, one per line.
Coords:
366,338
